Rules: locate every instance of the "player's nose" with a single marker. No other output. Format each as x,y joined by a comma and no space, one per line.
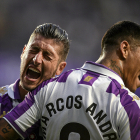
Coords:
38,58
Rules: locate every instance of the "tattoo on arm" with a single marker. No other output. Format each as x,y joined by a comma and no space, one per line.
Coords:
6,131
116,68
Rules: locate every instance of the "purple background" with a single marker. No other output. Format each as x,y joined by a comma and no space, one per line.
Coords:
85,21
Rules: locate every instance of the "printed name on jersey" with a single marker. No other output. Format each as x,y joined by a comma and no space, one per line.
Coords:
99,117
3,90
76,102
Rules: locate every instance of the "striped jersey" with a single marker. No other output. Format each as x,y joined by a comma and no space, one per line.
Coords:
9,98
88,103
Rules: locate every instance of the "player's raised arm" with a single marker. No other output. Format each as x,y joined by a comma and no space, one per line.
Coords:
6,131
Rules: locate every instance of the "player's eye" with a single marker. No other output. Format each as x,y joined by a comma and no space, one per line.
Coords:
34,50
47,56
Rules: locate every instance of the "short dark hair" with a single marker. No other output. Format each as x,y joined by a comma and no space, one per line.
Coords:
52,31
123,30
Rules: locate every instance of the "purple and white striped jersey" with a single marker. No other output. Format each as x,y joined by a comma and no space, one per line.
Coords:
9,98
89,103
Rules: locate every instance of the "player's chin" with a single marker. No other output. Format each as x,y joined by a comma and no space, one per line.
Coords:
30,87
138,82
130,86
135,85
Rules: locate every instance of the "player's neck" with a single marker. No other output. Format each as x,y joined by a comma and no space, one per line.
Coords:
22,92
113,64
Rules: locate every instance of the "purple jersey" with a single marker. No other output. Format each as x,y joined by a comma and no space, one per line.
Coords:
89,103
9,98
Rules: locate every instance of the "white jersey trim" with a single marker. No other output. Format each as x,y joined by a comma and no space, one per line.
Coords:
11,91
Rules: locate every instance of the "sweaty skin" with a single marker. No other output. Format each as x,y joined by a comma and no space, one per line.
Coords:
40,60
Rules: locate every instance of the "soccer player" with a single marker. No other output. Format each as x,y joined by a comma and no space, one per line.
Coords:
42,58
93,102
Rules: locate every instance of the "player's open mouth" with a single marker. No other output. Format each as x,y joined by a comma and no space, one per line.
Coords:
33,73
139,77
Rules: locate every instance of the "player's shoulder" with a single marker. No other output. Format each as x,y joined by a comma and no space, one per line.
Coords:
134,98
73,73
129,99
52,81
64,76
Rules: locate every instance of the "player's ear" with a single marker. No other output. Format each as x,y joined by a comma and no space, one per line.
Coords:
124,49
61,67
23,50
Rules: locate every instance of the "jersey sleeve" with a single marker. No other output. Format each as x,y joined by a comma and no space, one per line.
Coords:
129,122
123,125
25,117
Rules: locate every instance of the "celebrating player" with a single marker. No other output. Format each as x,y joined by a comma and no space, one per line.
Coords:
93,102
42,58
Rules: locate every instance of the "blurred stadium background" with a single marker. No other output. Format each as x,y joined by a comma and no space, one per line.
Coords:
85,21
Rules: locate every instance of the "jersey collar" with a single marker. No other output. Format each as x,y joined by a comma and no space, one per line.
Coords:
13,90
98,68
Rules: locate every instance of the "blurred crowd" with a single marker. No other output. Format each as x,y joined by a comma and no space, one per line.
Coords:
84,20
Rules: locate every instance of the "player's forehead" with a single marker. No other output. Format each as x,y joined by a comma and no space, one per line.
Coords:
46,44
39,39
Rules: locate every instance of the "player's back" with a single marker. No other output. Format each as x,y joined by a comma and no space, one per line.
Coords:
86,105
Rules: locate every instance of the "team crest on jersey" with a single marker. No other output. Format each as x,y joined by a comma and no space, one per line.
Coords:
88,78
3,90
32,136
135,97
